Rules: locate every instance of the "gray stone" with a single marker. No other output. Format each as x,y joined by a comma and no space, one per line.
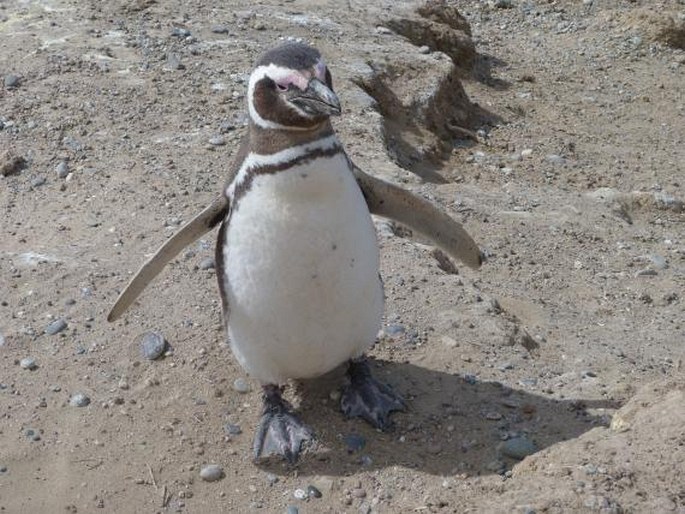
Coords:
180,32
232,429
220,29
354,442
38,181
211,473
217,141
153,345
292,510
12,81
556,159
2,340
518,447
28,363
206,264
79,400
241,385
313,492
62,169
55,327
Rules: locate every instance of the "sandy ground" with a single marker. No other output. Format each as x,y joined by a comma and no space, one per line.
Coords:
563,156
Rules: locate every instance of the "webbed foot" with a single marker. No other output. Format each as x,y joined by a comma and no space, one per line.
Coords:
365,397
280,432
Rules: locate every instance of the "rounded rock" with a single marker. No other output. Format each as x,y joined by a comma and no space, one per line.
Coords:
12,81
206,264
62,169
300,494
518,448
153,345
313,492
55,327
79,400
28,363
354,442
241,385
211,473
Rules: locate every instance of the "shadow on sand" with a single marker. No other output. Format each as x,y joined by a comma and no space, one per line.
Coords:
452,425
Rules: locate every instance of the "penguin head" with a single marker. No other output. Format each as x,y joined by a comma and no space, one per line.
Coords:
291,89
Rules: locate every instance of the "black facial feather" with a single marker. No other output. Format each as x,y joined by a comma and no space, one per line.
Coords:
296,56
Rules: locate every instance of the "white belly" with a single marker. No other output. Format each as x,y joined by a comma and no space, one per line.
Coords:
301,273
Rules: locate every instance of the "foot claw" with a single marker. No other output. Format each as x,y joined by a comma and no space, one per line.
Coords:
280,432
365,397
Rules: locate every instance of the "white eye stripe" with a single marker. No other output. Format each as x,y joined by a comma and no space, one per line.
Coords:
279,75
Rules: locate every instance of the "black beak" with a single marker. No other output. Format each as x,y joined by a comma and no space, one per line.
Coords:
317,99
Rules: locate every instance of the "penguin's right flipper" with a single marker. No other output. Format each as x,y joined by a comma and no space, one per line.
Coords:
195,228
280,432
390,201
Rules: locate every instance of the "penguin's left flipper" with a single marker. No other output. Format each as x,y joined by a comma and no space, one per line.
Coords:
195,228
391,201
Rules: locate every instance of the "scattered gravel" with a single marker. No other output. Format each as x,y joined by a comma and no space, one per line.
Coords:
55,327
28,363
211,473
79,400
153,345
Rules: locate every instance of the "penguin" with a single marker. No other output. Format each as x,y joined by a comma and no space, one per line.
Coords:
297,256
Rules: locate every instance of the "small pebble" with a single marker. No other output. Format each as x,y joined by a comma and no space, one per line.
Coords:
211,473
300,494
220,29
55,327
180,32
206,264
38,181
153,345
12,81
241,385
3,469
2,340
647,272
62,169
424,49
556,159
292,510
527,152
217,141
28,363
232,429
518,447
358,493
354,442
79,400
313,492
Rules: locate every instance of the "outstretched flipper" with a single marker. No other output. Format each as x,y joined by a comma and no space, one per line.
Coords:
365,397
390,201
195,228
280,432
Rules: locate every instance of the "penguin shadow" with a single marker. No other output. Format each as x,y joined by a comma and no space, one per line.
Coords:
452,425
483,68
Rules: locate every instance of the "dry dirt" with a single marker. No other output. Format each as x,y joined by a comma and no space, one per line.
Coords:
563,155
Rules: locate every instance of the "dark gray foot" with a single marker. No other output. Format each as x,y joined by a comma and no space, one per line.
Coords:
365,397
280,432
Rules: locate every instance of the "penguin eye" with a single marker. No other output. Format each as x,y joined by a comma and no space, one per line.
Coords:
282,86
